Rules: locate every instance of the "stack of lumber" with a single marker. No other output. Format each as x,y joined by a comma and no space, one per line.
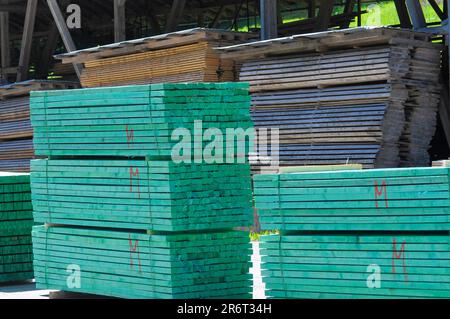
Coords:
421,108
356,234
16,134
366,96
135,120
139,194
408,199
138,265
184,56
346,266
124,214
349,124
15,227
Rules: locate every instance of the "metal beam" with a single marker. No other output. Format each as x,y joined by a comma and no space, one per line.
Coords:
402,12
175,15
27,40
269,19
119,20
324,16
416,14
63,31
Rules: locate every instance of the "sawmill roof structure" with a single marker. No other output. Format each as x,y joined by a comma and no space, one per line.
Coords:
35,33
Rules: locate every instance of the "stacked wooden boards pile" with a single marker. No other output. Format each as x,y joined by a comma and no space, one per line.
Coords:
136,120
16,221
356,234
184,56
16,134
367,96
128,214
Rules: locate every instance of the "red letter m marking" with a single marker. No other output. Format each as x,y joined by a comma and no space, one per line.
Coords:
399,255
134,173
134,249
379,191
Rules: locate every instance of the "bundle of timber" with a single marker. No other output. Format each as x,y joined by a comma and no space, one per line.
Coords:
16,134
138,194
406,199
349,124
138,265
138,120
143,190
184,56
357,266
15,227
370,96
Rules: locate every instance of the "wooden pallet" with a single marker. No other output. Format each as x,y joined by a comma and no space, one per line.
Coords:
137,265
15,227
141,195
330,266
412,199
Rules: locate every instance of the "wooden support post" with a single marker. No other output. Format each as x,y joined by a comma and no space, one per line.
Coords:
402,12
47,53
27,40
216,18
63,31
324,16
119,20
5,48
311,9
348,9
416,14
175,15
269,19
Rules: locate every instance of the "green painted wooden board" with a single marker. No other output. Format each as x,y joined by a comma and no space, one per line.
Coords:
16,221
134,120
145,195
340,265
139,265
405,199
